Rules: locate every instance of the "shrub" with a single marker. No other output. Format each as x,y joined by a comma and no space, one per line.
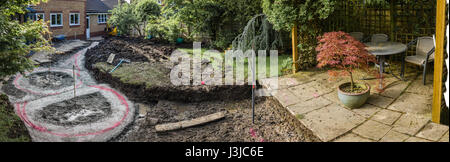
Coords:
341,51
165,28
131,16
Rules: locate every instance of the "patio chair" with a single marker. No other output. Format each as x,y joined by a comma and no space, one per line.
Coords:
357,35
379,38
424,53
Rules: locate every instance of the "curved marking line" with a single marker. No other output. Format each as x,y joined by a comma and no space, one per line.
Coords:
24,117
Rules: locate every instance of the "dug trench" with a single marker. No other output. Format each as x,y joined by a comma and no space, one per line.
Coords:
163,103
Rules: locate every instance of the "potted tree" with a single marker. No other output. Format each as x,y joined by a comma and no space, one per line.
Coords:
339,50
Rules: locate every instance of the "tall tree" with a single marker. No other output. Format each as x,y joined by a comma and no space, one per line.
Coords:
307,16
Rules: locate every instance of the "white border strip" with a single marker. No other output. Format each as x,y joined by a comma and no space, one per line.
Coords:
447,64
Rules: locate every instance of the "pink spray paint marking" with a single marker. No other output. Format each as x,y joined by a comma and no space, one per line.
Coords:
315,95
253,134
22,114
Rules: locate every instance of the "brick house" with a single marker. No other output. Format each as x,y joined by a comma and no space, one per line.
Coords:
75,19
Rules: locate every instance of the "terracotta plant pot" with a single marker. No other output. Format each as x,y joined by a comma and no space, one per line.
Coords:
353,100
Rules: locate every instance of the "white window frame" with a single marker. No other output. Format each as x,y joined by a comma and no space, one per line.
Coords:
51,20
70,19
36,16
104,17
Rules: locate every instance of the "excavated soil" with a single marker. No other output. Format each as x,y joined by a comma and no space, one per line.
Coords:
142,50
51,80
79,110
167,103
271,123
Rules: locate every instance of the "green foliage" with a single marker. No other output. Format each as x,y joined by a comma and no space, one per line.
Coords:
18,39
283,14
307,15
147,10
132,16
258,35
11,7
166,28
123,18
220,20
12,128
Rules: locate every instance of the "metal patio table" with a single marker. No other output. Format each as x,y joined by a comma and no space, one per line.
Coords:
382,49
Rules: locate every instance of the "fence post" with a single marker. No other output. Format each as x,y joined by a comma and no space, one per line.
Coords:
294,48
439,61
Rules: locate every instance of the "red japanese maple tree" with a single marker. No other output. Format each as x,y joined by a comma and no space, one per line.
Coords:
341,51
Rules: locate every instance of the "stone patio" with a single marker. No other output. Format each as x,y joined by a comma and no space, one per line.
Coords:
400,113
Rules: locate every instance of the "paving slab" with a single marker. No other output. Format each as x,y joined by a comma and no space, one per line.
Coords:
386,116
276,83
331,121
308,106
372,130
393,136
352,138
289,82
417,87
305,92
410,124
379,100
333,96
413,103
415,139
444,138
395,89
433,131
367,110
324,85
286,98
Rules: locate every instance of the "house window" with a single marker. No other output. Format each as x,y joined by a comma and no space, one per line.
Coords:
39,16
74,18
102,18
56,19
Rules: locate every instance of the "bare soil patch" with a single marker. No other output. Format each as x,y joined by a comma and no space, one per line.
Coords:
271,123
51,80
79,110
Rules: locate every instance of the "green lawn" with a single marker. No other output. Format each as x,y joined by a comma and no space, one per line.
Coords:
12,128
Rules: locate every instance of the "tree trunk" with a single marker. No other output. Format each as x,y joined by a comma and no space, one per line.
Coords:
351,83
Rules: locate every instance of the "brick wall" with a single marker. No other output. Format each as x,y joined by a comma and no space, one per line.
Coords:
65,7
97,28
